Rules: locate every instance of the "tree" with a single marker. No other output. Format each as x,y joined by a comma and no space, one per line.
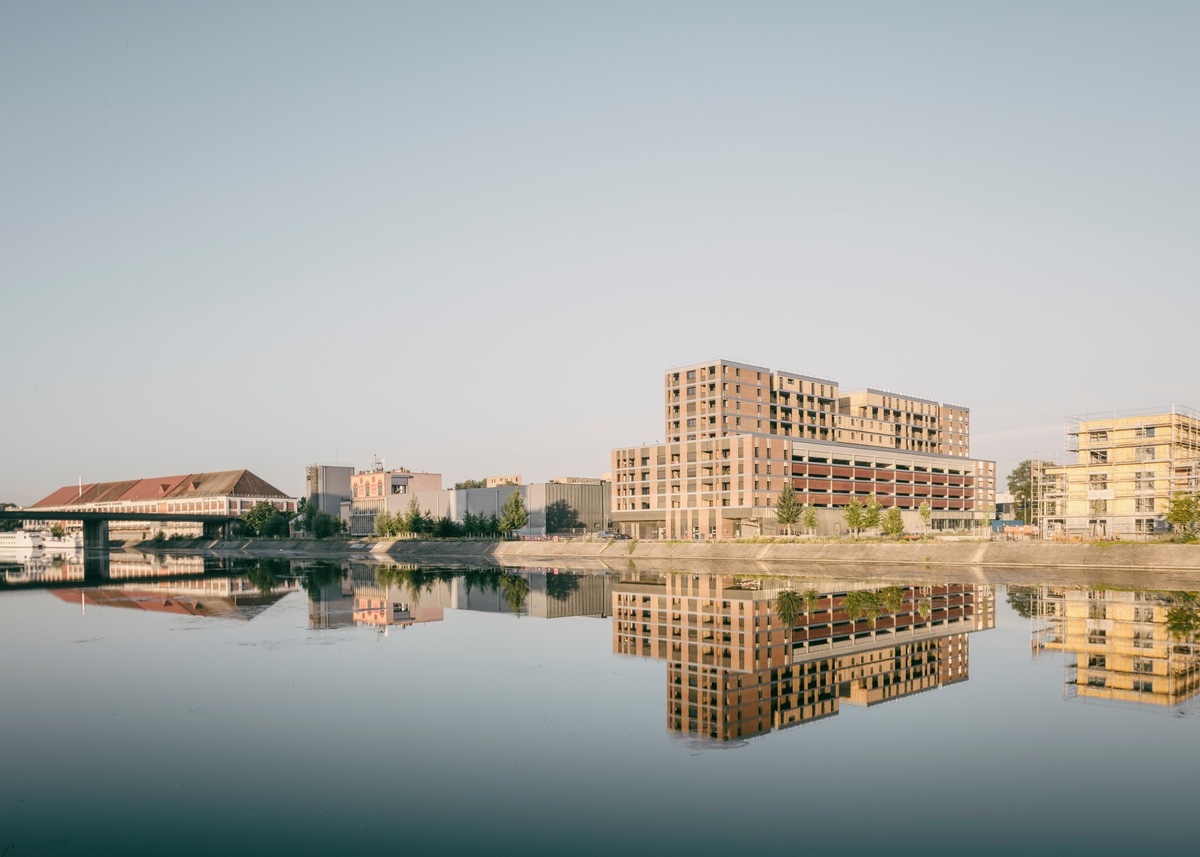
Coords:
257,520
788,604
560,585
893,522
787,509
514,588
1020,485
871,513
1021,599
1183,512
413,520
58,530
926,512
1183,621
892,597
9,526
384,524
275,526
304,513
560,516
854,516
470,483
324,525
514,515
862,603
809,519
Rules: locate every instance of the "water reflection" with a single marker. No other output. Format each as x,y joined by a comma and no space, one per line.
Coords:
1128,646
301,739
386,596
746,656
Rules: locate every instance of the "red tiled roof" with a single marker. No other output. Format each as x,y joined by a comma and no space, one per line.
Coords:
222,483
63,496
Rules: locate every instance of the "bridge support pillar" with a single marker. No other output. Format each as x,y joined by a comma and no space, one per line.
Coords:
95,535
95,565
214,530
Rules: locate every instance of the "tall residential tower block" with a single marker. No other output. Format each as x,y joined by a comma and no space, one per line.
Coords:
737,433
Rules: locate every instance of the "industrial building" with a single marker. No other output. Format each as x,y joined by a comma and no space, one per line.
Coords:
378,490
589,498
329,484
226,492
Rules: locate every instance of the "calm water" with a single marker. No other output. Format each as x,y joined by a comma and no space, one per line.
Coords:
187,706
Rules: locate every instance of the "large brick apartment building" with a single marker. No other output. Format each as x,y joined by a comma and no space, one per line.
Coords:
737,433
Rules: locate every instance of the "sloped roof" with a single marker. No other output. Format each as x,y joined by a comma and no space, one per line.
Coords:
154,488
65,495
222,483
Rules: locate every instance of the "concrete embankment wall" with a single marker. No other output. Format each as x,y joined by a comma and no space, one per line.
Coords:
993,554
767,557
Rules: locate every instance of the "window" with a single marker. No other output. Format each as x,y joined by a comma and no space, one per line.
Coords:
1098,481
1143,504
1143,480
1098,456
1147,431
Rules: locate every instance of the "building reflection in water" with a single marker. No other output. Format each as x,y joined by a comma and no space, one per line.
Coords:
735,669
386,596
212,597
1129,646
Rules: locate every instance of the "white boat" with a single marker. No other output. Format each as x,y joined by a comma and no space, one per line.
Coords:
25,541
68,542
21,540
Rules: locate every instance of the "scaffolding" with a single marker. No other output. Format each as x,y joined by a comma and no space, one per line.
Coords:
1119,646
1121,471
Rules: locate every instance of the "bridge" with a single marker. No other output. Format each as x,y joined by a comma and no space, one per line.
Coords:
95,523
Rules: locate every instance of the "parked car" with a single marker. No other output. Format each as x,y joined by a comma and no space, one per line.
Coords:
622,536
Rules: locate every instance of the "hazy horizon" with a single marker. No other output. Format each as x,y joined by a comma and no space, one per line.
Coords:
470,238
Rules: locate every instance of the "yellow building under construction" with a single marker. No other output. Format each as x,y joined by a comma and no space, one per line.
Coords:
1123,469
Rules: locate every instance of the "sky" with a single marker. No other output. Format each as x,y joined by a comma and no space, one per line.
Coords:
469,238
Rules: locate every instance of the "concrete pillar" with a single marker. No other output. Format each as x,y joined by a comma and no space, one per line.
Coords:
95,565
95,535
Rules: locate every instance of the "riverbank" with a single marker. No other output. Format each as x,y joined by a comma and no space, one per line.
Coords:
768,557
